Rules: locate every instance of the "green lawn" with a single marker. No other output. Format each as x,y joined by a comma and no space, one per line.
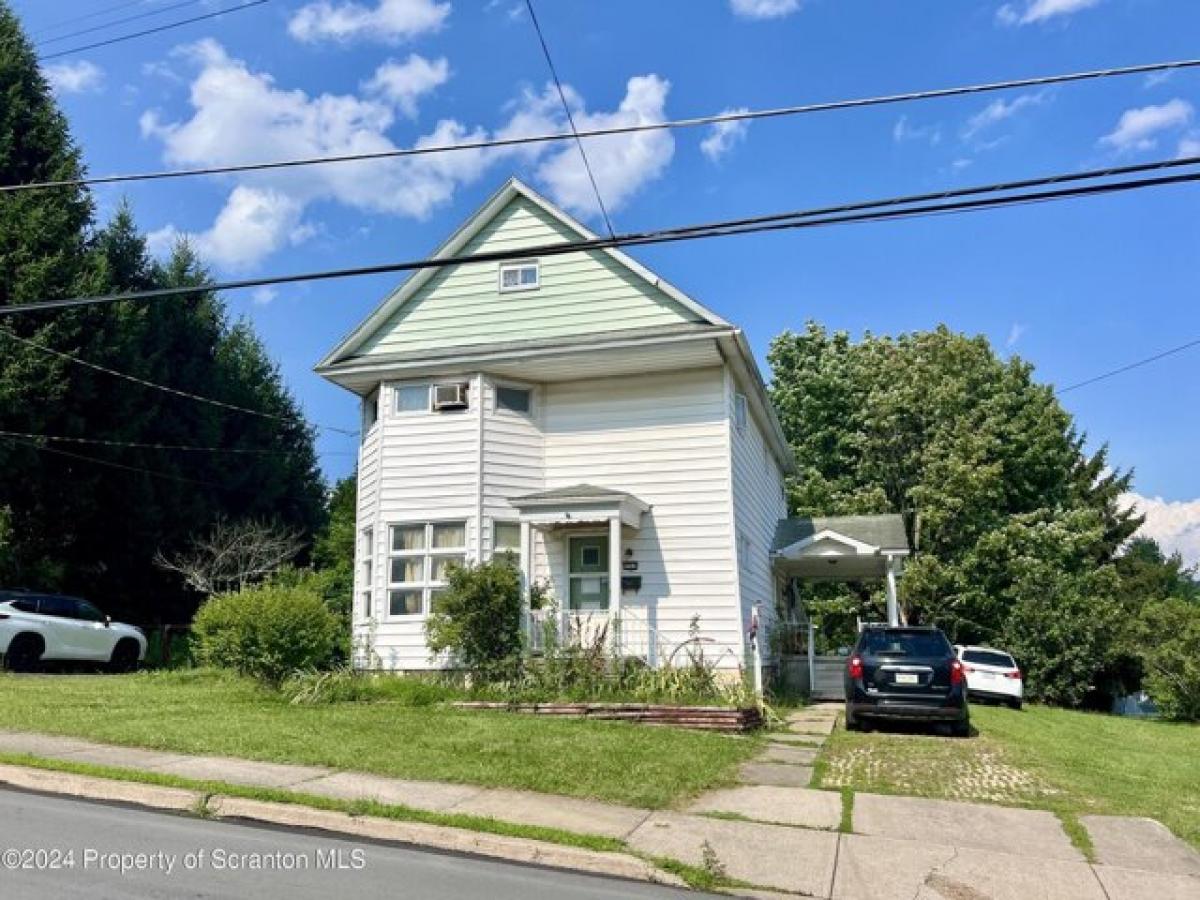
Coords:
1070,762
206,712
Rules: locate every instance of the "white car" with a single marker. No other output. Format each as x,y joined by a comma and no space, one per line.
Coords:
992,675
37,628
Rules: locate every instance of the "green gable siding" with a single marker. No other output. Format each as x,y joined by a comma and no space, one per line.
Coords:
579,294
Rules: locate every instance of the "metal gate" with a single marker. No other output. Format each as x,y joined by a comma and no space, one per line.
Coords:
828,678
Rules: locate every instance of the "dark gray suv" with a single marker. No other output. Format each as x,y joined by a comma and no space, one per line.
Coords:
909,673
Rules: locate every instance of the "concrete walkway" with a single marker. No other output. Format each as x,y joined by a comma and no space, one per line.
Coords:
771,830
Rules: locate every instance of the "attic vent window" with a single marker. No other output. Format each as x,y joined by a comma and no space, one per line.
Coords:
520,276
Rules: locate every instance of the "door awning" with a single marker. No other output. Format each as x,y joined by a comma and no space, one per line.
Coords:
580,504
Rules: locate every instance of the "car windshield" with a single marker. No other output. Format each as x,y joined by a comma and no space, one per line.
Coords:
905,643
989,658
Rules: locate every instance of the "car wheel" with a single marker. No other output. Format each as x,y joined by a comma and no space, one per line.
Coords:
852,723
1015,704
124,656
24,653
961,728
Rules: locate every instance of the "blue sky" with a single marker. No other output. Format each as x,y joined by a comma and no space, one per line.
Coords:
1075,287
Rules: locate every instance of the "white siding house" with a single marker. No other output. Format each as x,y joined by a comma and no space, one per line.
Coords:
572,408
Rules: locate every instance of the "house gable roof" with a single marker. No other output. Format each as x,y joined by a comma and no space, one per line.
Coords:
421,311
884,533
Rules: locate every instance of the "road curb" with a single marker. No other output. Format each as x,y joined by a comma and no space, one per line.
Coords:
295,815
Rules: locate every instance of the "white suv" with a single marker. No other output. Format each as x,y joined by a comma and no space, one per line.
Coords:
992,675
37,628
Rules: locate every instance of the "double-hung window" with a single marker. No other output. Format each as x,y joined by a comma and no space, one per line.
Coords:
420,557
506,539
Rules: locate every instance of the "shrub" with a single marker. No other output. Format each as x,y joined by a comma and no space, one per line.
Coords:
266,632
477,618
1171,657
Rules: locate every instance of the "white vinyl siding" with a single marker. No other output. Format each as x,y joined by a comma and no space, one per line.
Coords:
578,294
662,438
759,504
413,468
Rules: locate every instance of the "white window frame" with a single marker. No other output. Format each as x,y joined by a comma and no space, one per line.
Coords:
366,594
497,386
741,411
396,389
515,551
518,265
427,554
369,402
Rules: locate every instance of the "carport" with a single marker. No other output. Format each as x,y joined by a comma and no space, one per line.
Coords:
842,549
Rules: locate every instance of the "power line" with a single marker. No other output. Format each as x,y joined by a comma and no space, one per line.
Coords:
115,22
162,387
695,122
863,211
167,27
153,473
1133,365
570,118
136,445
92,15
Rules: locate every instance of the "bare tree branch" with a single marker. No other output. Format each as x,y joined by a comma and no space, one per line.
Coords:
233,555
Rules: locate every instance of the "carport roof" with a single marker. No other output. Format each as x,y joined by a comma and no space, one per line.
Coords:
883,531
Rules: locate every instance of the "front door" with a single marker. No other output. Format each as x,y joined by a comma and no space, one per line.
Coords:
588,572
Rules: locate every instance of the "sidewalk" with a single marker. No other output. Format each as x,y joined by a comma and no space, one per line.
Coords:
771,830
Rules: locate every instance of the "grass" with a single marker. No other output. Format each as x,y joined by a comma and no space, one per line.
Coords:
199,711
1070,763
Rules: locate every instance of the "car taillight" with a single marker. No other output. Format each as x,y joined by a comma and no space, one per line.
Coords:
1016,674
855,667
956,672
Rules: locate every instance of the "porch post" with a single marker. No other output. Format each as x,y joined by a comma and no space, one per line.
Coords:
526,551
893,604
614,580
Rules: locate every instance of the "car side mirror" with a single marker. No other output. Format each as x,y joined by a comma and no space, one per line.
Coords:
107,621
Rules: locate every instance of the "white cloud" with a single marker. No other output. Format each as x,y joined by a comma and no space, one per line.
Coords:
404,83
622,164
903,132
74,77
241,116
1175,524
1015,334
390,21
1154,79
1138,129
724,136
997,111
263,296
764,9
1040,10
1189,145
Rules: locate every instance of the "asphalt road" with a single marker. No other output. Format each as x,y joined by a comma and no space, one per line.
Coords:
68,848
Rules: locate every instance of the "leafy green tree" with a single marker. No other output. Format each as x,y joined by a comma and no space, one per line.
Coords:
90,519
1170,649
984,464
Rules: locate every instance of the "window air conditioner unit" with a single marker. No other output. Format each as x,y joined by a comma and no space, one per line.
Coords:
449,396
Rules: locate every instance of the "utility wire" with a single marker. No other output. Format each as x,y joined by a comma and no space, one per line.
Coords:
153,473
167,27
1133,365
162,387
696,122
570,118
115,22
92,15
136,445
863,211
